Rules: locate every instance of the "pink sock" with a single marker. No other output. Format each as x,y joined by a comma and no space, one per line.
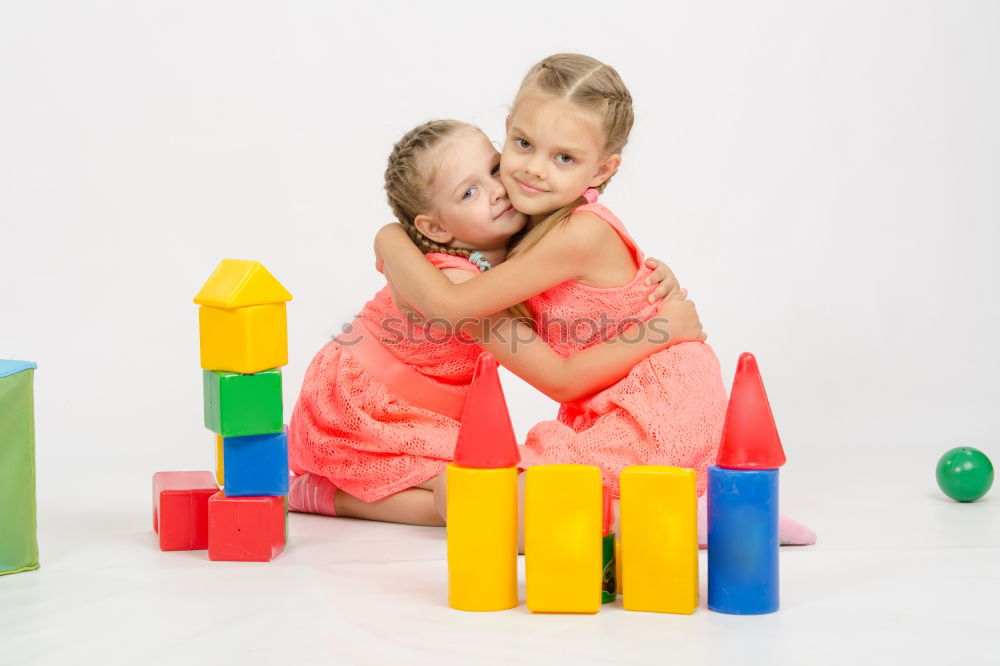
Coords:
312,493
790,532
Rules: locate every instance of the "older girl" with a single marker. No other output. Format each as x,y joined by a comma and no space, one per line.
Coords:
581,274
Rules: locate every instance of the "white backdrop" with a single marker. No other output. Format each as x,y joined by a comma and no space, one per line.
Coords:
823,179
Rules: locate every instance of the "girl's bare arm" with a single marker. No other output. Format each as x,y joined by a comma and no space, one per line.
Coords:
519,348
563,254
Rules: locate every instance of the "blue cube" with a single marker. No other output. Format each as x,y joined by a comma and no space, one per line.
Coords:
255,465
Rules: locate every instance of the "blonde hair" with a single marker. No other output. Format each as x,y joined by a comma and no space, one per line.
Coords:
408,179
593,87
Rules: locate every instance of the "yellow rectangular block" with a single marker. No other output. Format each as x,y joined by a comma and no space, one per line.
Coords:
659,526
219,462
244,340
562,539
482,538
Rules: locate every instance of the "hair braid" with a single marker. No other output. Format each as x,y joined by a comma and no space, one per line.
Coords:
407,179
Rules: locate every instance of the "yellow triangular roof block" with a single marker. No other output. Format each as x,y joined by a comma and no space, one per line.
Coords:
238,283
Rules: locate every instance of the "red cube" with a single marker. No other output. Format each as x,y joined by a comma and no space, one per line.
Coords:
180,509
245,529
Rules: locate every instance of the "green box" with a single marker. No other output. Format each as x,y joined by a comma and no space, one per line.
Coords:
18,540
238,405
609,581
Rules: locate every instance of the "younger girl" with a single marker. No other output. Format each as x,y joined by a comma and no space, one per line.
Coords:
378,415
565,133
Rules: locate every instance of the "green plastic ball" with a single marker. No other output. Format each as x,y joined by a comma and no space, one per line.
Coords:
964,474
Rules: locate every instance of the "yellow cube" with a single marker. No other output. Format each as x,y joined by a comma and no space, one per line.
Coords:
659,530
244,340
219,461
562,539
242,318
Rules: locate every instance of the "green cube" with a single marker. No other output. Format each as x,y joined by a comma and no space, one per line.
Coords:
18,542
238,405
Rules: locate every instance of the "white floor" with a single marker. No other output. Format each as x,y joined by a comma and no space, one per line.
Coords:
900,575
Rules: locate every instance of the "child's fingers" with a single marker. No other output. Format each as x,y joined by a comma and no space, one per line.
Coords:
679,295
654,276
660,271
663,291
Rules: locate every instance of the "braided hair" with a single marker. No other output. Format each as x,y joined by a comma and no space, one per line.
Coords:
408,179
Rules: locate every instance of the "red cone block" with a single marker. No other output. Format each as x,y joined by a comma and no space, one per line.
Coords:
486,437
749,437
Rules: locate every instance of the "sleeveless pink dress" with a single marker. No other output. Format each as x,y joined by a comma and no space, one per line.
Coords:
379,406
670,408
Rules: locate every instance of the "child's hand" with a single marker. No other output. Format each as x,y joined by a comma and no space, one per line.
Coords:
663,278
683,323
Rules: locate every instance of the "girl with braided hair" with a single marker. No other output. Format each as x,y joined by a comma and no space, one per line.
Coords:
580,274
378,414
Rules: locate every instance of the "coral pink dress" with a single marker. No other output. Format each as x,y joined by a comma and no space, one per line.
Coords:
670,408
380,405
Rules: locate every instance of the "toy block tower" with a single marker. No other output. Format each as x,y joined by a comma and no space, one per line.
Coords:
743,502
18,543
244,341
482,499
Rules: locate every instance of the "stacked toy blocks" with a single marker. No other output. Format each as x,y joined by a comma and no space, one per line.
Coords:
482,499
18,543
244,341
743,502
573,563
570,563
567,526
